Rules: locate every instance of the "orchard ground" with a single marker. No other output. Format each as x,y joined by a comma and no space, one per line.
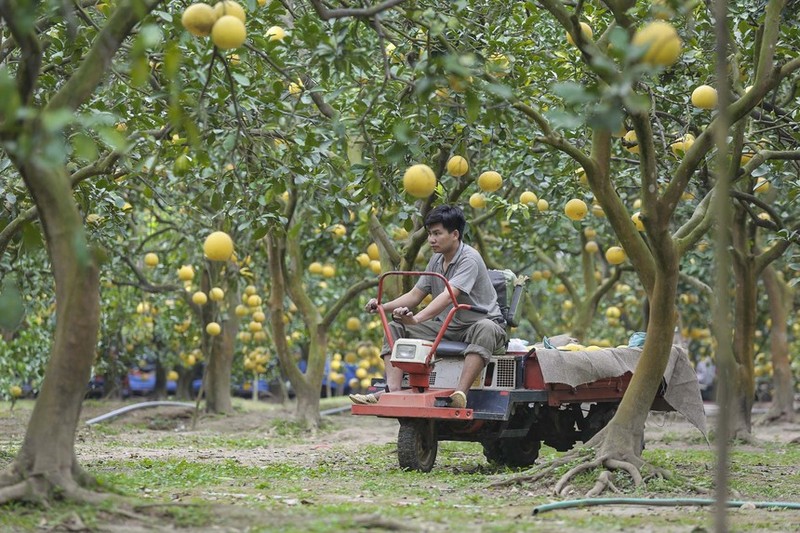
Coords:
258,471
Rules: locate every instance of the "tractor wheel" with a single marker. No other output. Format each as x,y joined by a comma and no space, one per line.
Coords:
417,444
600,414
517,452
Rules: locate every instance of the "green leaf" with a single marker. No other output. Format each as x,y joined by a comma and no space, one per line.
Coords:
84,147
572,93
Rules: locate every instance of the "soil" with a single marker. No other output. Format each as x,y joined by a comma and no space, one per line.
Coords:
667,430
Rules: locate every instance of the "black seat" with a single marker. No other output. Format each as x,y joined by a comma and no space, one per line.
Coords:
500,280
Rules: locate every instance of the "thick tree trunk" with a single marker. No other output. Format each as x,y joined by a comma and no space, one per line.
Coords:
46,463
745,306
782,408
220,361
625,432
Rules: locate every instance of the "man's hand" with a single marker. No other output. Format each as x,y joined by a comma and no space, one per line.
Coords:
404,315
372,306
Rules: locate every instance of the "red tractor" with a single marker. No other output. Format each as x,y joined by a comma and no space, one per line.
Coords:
510,410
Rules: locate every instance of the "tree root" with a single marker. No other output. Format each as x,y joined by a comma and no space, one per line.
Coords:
595,453
44,488
538,472
776,416
746,437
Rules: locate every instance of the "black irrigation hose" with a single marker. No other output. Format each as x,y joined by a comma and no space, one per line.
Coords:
660,502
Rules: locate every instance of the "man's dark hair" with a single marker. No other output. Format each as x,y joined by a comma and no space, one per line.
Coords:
449,216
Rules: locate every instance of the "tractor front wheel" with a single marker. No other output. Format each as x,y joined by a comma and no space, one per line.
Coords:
417,444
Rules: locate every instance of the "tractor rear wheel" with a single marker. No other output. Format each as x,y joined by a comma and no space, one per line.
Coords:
516,452
417,444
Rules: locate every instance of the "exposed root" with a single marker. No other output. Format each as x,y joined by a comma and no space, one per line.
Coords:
574,471
603,482
16,492
539,471
630,468
776,416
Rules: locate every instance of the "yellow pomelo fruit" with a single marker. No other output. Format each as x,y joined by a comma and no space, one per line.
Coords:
229,7
186,273
705,97
637,221
542,205
761,185
477,201
259,316
419,181
372,252
241,310
590,233
637,204
339,230
586,32
199,298
228,32
613,312
353,324
662,42
216,294
151,259
213,329
218,246
457,166
198,19
528,198
276,33
15,391
328,271
254,326
682,145
250,289
363,260
254,300
633,142
490,181
172,376
576,209
296,88
597,211
375,266
315,267
591,247
615,255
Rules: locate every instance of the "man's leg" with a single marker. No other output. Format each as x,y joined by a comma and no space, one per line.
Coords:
473,365
484,338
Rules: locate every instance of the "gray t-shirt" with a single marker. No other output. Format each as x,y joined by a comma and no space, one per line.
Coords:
467,272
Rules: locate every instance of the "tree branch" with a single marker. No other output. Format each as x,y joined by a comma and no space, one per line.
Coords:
360,13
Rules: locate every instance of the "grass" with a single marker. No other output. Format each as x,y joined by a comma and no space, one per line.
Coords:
281,477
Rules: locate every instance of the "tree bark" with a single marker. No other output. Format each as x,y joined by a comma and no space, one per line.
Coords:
626,430
220,356
782,407
745,307
46,460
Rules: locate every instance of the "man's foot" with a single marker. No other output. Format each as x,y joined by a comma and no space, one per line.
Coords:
363,399
458,400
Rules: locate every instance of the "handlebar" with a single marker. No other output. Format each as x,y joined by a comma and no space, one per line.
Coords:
456,306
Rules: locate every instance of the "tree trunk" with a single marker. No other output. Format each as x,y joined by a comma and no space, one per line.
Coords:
220,361
46,463
745,307
782,408
625,432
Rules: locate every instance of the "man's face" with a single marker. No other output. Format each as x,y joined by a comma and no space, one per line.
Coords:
441,240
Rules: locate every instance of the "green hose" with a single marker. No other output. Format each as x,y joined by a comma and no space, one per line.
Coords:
662,502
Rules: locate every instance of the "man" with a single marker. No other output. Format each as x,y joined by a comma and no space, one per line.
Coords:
469,279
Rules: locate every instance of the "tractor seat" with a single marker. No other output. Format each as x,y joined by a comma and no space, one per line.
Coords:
451,348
